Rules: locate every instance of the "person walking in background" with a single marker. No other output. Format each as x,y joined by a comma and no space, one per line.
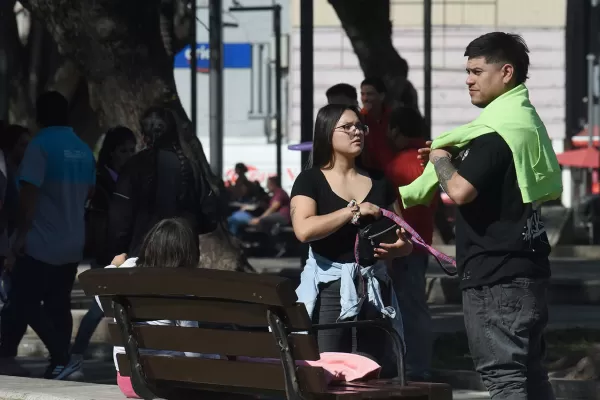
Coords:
342,93
407,135
117,147
56,178
498,169
13,142
376,115
165,180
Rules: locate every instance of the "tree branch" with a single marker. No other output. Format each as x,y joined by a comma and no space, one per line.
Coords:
368,26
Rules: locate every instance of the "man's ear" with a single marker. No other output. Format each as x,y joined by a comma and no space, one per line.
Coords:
508,72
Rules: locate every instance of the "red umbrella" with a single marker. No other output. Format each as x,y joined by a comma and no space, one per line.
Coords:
588,157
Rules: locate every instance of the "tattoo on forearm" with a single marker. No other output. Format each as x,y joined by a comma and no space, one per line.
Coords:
444,170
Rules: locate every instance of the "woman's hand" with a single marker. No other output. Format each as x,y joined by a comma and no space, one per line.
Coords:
402,247
369,209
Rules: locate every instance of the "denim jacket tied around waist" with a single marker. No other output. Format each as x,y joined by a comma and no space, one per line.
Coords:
319,270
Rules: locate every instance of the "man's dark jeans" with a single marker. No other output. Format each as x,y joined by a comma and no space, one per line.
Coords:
33,283
505,324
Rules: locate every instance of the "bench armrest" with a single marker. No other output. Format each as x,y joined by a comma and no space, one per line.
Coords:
383,325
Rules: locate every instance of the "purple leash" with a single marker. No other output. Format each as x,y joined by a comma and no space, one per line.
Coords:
440,257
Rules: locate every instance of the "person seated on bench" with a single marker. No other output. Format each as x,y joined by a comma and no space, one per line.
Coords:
171,243
277,214
325,214
248,194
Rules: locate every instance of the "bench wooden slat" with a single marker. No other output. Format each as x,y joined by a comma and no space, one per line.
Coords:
217,341
203,283
207,372
435,391
351,393
192,309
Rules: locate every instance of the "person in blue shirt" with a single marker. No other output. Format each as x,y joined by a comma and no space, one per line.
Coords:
56,178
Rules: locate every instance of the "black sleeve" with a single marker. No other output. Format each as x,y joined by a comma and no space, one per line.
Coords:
305,185
486,161
121,213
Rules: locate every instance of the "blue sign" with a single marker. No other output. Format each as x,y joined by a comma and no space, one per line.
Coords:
235,55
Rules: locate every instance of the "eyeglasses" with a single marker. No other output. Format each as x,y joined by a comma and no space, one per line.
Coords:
359,128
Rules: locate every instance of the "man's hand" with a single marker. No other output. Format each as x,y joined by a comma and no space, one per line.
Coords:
439,153
254,221
424,153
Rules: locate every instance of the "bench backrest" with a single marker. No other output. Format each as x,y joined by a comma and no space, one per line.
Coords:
219,299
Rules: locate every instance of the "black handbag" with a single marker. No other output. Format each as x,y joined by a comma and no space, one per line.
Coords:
382,230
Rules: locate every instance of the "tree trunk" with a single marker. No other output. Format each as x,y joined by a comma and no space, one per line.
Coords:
118,47
368,26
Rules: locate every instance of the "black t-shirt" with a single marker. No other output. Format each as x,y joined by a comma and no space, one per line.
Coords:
339,246
498,237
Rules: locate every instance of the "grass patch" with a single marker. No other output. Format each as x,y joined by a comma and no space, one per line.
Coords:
451,351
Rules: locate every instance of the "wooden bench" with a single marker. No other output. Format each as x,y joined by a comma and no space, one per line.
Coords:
250,303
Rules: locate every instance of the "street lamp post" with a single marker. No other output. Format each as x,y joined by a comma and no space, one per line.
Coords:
215,34
427,64
193,68
276,10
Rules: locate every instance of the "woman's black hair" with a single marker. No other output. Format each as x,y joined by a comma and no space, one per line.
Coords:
171,243
113,138
159,128
328,116
10,137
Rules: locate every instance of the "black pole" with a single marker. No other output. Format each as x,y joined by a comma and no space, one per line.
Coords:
4,86
216,86
427,64
277,32
306,76
261,57
193,70
306,88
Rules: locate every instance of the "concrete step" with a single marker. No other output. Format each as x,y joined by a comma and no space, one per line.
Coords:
573,282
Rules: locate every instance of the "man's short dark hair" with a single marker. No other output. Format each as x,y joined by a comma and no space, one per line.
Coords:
501,47
52,109
407,122
377,83
342,89
275,180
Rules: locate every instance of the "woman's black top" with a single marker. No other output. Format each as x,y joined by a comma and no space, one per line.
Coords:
339,246
147,191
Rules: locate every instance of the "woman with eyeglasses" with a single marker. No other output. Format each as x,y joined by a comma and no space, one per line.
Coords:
330,202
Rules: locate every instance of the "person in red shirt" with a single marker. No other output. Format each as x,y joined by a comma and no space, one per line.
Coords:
405,136
377,152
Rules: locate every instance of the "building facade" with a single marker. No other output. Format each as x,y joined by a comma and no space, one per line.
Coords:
455,24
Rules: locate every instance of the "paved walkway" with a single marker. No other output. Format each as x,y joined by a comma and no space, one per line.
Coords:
12,388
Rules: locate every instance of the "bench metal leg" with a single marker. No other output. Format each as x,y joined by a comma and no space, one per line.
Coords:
138,377
292,390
